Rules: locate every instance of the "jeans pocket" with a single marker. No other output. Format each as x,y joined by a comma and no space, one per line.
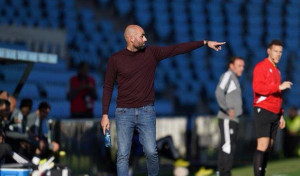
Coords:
120,110
149,109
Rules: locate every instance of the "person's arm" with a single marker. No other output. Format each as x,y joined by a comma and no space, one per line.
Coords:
110,78
161,53
221,92
21,136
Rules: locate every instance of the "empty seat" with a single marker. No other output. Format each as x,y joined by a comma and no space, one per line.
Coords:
164,107
123,6
60,109
29,91
56,92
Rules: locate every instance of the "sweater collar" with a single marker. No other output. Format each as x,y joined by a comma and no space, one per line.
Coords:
130,53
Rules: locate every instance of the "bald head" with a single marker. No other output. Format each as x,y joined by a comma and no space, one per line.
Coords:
131,31
135,37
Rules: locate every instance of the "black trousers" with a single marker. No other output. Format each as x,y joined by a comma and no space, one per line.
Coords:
228,130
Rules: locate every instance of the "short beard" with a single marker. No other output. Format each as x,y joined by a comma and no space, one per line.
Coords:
140,47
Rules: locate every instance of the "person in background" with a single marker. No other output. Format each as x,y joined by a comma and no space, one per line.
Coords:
267,104
25,108
291,138
82,93
37,126
6,149
16,116
229,97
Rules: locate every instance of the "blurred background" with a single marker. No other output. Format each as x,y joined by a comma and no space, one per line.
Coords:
91,30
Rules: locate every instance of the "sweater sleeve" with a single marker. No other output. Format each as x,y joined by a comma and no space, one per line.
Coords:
161,53
260,83
221,91
108,86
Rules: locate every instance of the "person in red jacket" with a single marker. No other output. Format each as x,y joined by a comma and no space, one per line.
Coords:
82,93
268,114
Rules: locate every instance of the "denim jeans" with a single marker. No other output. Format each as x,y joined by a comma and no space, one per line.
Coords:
144,120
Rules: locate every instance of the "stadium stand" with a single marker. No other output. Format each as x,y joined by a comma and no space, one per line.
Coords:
246,26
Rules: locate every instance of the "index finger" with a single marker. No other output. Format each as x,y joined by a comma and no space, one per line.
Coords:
221,43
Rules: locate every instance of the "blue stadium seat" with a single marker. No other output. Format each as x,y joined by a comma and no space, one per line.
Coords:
273,9
8,86
274,20
159,85
44,77
232,9
11,74
143,14
123,6
163,29
98,109
34,4
202,74
68,4
61,65
214,9
56,92
187,98
105,25
178,7
86,14
60,109
293,9
292,22
235,20
196,8
292,44
234,31
255,8
277,2
255,31
29,91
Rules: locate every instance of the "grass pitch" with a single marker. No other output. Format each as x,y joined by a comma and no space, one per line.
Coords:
286,167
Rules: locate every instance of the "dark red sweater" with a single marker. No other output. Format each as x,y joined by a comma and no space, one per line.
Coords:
134,73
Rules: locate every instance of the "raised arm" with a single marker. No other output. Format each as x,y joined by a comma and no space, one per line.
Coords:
168,51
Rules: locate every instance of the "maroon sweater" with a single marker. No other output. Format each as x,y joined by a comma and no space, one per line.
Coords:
134,73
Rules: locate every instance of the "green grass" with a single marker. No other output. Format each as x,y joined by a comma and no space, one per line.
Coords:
287,167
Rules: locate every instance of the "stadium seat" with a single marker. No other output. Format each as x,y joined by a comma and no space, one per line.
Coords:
123,6
56,92
29,91
60,109
164,107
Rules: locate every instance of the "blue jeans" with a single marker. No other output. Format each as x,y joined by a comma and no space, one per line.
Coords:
144,120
